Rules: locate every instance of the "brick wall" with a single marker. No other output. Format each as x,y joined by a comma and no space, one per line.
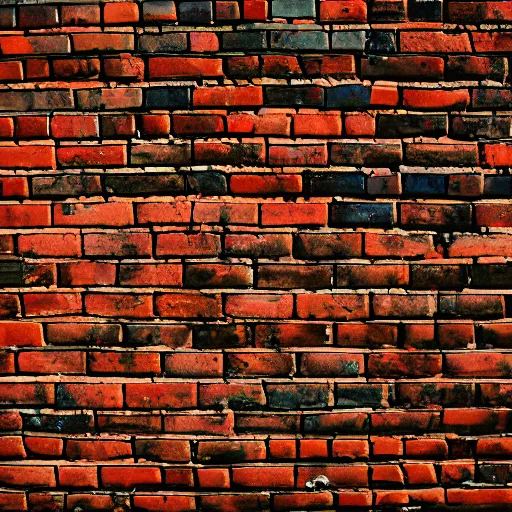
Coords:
255,255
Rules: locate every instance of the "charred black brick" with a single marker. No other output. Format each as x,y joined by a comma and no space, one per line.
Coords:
207,183
168,97
195,12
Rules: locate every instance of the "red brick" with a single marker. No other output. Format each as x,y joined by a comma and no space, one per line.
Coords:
286,214
176,395
93,214
408,306
72,476
332,364
343,11
156,213
332,306
97,501
264,245
359,125
204,41
273,477
87,273
366,335
479,496
150,275
227,10
246,152
36,476
338,476
232,395
124,67
436,99
50,245
134,306
16,501
217,451
127,477
350,448
12,447
80,14
76,68
438,42
110,99
340,66
260,365
179,477
83,334
280,65
173,67
52,362
74,127
272,123
189,305
298,155
492,42
21,334
124,362
117,244
246,66
197,424
325,124
193,365
227,96
95,156
292,335
48,304
259,306
197,124
95,396
181,244
25,393
117,126
224,213
45,446
156,124
31,157
263,185
6,127
11,71
28,127
404,365
167,450
37,68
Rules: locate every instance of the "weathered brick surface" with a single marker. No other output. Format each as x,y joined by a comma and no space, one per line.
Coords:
255,255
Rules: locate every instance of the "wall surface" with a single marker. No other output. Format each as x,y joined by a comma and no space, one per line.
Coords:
255,255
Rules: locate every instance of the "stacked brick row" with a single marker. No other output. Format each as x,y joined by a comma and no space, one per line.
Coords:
255,255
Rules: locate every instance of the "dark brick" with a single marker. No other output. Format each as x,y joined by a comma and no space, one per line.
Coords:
329,184
207,183
168,97
411,125
290,96
244,40
349,96
424,184
195,12
362,214
294,40
162,43
425,10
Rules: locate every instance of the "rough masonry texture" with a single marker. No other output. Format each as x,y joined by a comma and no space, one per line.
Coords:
255,255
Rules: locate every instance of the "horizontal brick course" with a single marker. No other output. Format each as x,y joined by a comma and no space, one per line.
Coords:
255,255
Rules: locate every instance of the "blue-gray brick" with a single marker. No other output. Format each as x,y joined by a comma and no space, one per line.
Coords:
362,214
299,40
